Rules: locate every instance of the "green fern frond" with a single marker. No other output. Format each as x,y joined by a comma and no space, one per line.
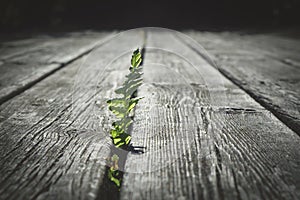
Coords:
123,107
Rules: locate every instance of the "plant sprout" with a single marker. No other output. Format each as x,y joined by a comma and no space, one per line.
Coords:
122,107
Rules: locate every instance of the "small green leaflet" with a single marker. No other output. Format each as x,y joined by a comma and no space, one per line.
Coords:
129,87
121,139
122,107
122,124
113,172
113,176
136,59
116,102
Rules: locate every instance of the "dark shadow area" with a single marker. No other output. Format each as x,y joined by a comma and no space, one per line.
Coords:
112,181
213,15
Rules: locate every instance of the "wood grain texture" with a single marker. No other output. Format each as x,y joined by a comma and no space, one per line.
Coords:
205,138
265,66
53,138
26,62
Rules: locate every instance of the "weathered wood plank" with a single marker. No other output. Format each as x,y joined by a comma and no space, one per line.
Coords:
24,64
56,44
283,49
259,65
16,47
202,144
53,137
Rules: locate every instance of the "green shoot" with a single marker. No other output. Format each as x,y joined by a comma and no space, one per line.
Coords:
122,107
113,172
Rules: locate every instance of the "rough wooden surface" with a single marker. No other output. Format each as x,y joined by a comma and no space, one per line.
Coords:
53,145
266,66
205,137
26,62
204,149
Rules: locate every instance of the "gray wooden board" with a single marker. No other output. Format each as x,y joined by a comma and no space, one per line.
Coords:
264,66
23,63
283,49
69,42
205,137
54,138
17,47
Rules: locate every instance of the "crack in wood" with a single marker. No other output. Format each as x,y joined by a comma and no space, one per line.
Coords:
108,189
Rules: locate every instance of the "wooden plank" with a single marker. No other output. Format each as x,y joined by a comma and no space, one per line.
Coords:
283,49
202,144
264,68
16,47
25,64
54,137
56,44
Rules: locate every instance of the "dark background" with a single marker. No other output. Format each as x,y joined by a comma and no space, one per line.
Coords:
35,15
